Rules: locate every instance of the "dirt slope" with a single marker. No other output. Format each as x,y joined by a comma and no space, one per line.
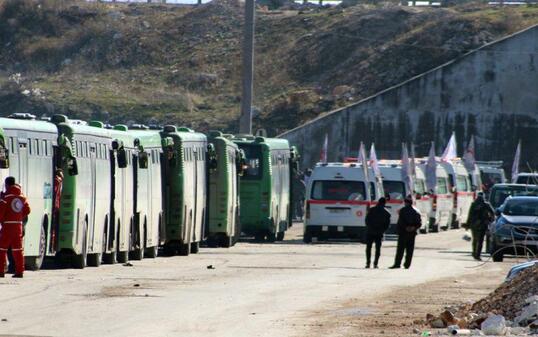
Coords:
158,64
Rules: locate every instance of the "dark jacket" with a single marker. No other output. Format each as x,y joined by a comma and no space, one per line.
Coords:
409,221
377,220
481,214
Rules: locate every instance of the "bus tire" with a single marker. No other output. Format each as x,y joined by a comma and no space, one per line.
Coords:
212,241
184,249
94,260
195,247
271,237
307,237
169,249
227,241
80,261
259,237
123,257
152,252
137,254
280,236
109,258
36,262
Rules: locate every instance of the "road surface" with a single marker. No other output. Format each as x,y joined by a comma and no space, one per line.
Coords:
249,290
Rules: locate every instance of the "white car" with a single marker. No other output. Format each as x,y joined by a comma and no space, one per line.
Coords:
338,196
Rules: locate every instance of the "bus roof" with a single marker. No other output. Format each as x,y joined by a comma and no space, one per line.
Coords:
27,124
272,143
147,138
184,134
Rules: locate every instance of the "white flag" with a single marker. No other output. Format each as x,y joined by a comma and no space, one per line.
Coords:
469,157
450,150
406,170
374,163
431,170
515,165
361,159
323,154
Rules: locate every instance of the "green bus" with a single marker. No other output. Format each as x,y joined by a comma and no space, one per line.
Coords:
223,227
84,154
148,207
185,189
26,153
266,187
122,193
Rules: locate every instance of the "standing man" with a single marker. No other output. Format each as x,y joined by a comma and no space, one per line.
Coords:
13,211
481,214
377,222
298,193
408,223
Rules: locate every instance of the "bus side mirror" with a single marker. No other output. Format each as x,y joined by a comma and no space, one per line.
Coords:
4,158
122,158
72,167
143,160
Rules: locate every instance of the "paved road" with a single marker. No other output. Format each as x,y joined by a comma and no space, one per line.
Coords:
253,290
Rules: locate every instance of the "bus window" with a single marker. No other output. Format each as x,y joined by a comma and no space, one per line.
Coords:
30,147
253,161
338,190
4,157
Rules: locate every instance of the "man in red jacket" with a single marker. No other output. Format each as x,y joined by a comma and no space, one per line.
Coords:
13,211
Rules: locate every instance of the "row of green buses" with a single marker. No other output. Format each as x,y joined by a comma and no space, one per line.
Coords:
127,192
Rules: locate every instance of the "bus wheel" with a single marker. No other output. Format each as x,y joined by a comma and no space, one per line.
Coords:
212,242
169,249
123,257
137,254
259,237
307,237
271,237
152,252
184,249
280,236
94,260
109,258
226,241
35,263
195,247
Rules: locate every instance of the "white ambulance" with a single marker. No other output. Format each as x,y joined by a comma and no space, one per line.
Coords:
462,191
441,199
395,190
338,196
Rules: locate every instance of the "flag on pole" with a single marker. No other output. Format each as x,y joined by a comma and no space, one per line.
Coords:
450,150
413,164
364,161
469,159
431,170
515,165
323,154
406,171
374,163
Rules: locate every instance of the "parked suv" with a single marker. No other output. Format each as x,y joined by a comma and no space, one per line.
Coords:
516,229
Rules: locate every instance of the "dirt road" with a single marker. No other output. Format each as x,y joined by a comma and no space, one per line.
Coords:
281,289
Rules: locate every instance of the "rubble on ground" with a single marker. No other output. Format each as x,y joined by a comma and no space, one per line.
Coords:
510,310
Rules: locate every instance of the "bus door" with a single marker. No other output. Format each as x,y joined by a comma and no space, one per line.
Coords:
23,163
93,198
194,224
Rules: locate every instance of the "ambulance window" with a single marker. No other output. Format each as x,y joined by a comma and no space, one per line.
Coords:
338,190
419,186
372,191
461,183
394,189
442,187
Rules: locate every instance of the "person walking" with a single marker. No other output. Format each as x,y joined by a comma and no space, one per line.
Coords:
298,195
408,223
377,222
481,214
13,211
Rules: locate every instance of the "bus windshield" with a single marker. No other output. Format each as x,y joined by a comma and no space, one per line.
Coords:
253,161
394,189
338,190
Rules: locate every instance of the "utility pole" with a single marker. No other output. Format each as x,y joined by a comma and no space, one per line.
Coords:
245,122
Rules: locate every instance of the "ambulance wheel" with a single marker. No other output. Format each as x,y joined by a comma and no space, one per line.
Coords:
137,254
280,236
109,258
123,257
35,262
152,252
94,260
195,247
271,237
424,230
184,249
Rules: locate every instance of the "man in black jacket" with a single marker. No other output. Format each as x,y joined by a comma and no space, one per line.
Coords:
377,222
408,223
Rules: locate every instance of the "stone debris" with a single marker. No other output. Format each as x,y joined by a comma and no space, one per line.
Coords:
510,310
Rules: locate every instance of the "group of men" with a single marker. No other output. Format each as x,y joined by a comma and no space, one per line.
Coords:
377,223
481,214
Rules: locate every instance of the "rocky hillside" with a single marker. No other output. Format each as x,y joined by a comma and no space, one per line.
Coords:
160,64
